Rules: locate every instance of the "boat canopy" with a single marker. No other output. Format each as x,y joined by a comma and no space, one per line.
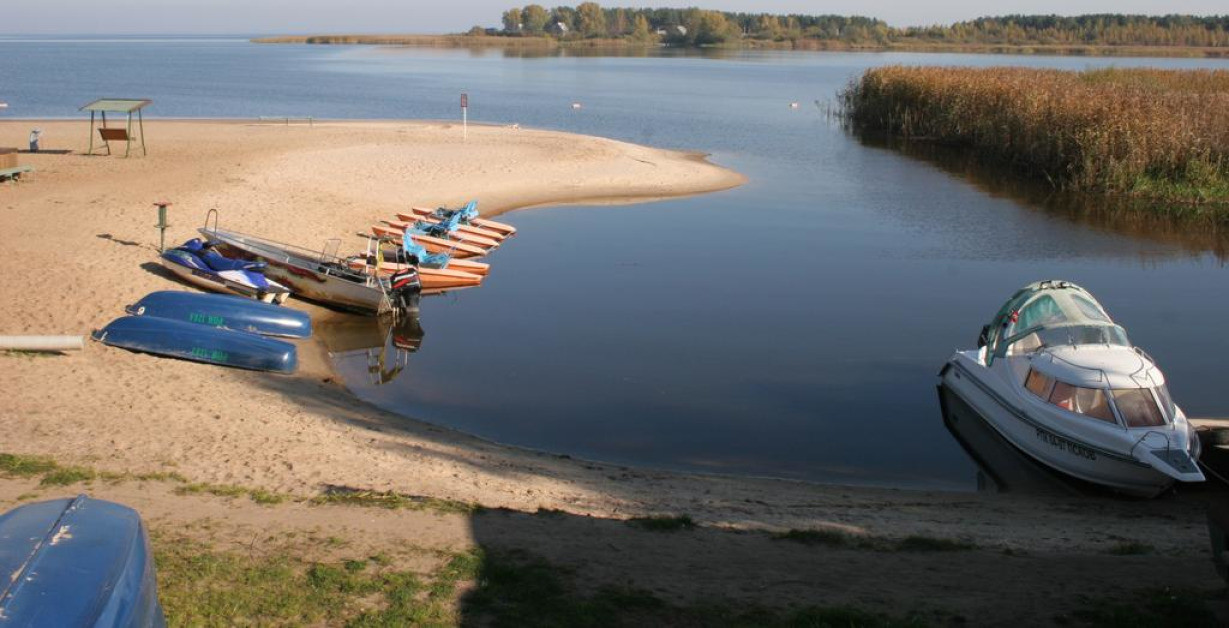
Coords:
1049,314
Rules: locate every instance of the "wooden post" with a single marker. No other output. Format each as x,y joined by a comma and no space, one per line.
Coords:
141,124
91,133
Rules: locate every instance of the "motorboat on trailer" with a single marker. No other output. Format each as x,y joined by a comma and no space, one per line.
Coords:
469,216
324,277
197,263
1059,380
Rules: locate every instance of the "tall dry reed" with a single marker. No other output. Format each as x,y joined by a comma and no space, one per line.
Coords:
1142,132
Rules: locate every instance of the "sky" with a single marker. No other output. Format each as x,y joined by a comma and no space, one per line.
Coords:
251,17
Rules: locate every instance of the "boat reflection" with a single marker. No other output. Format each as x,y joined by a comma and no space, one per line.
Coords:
380,347
1001,467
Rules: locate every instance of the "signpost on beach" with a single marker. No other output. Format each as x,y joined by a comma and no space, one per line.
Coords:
464,116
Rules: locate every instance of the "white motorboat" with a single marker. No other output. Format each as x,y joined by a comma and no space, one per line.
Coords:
1060,381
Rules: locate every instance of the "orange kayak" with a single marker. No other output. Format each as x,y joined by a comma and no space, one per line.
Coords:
431,278
466,265
458,235
432,244
481,223
478,231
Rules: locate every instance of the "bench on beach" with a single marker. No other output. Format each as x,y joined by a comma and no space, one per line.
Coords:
288,119
14,174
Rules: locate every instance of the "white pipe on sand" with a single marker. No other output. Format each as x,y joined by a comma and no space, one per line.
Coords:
42,343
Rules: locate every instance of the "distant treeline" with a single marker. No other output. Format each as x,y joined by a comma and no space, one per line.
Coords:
699,27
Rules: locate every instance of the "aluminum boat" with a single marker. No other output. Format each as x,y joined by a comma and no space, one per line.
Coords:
1059,380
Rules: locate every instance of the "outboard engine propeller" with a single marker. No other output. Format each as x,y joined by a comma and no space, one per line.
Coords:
406,288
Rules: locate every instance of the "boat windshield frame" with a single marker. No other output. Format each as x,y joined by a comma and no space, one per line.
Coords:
318,261
1108,333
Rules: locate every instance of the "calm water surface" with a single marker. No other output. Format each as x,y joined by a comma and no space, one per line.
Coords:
792,327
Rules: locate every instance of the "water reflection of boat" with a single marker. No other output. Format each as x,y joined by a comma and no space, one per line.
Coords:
1060,381
1001,468
381,347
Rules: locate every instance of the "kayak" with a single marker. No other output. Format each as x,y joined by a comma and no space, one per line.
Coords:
498,236
432,244
471,218
456,234
219,310
431,278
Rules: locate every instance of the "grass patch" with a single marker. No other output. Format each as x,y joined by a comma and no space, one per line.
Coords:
517,589
1159,608
14,465
346,496
64,476
836,538
1131,548
664,523
830,538
930,544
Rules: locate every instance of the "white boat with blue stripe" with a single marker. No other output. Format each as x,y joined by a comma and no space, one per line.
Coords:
1060,380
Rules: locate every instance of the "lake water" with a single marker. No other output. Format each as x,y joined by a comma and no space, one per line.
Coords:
792,327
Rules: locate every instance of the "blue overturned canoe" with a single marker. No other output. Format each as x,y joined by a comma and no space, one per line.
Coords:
200,343
220,310
76,562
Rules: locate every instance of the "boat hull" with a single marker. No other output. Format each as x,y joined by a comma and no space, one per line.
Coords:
459,250
431,278
490,234
199,343
306,277
77,562
1059,451
230,312
483,223
457,235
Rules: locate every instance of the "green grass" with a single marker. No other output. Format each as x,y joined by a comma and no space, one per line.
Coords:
65,476
836,538
518,589
1131,548
664,523
1149,608
14,465
346,496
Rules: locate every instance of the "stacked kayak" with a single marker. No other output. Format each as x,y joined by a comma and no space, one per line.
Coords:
214,329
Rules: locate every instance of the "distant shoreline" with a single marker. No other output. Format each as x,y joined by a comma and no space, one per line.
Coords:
548,43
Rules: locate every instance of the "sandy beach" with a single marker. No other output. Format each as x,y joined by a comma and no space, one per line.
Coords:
78,244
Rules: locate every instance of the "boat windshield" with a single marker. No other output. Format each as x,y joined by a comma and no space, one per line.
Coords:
1043,337
1137,407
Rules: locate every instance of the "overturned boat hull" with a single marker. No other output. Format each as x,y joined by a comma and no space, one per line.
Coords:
199,343
77,562
217,310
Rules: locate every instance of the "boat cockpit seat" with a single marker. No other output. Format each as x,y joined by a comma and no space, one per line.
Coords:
219,262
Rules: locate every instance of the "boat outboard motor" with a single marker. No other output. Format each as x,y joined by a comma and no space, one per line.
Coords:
406,288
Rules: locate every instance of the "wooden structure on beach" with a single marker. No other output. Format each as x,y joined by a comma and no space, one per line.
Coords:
124,134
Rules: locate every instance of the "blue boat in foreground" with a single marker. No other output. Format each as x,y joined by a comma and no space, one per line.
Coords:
200,343
219,310
77,562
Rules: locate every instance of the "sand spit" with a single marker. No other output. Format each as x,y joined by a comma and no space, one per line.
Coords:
79,244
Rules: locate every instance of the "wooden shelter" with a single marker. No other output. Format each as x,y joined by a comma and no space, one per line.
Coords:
124,134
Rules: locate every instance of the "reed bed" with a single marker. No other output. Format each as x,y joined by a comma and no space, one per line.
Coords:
1161,134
